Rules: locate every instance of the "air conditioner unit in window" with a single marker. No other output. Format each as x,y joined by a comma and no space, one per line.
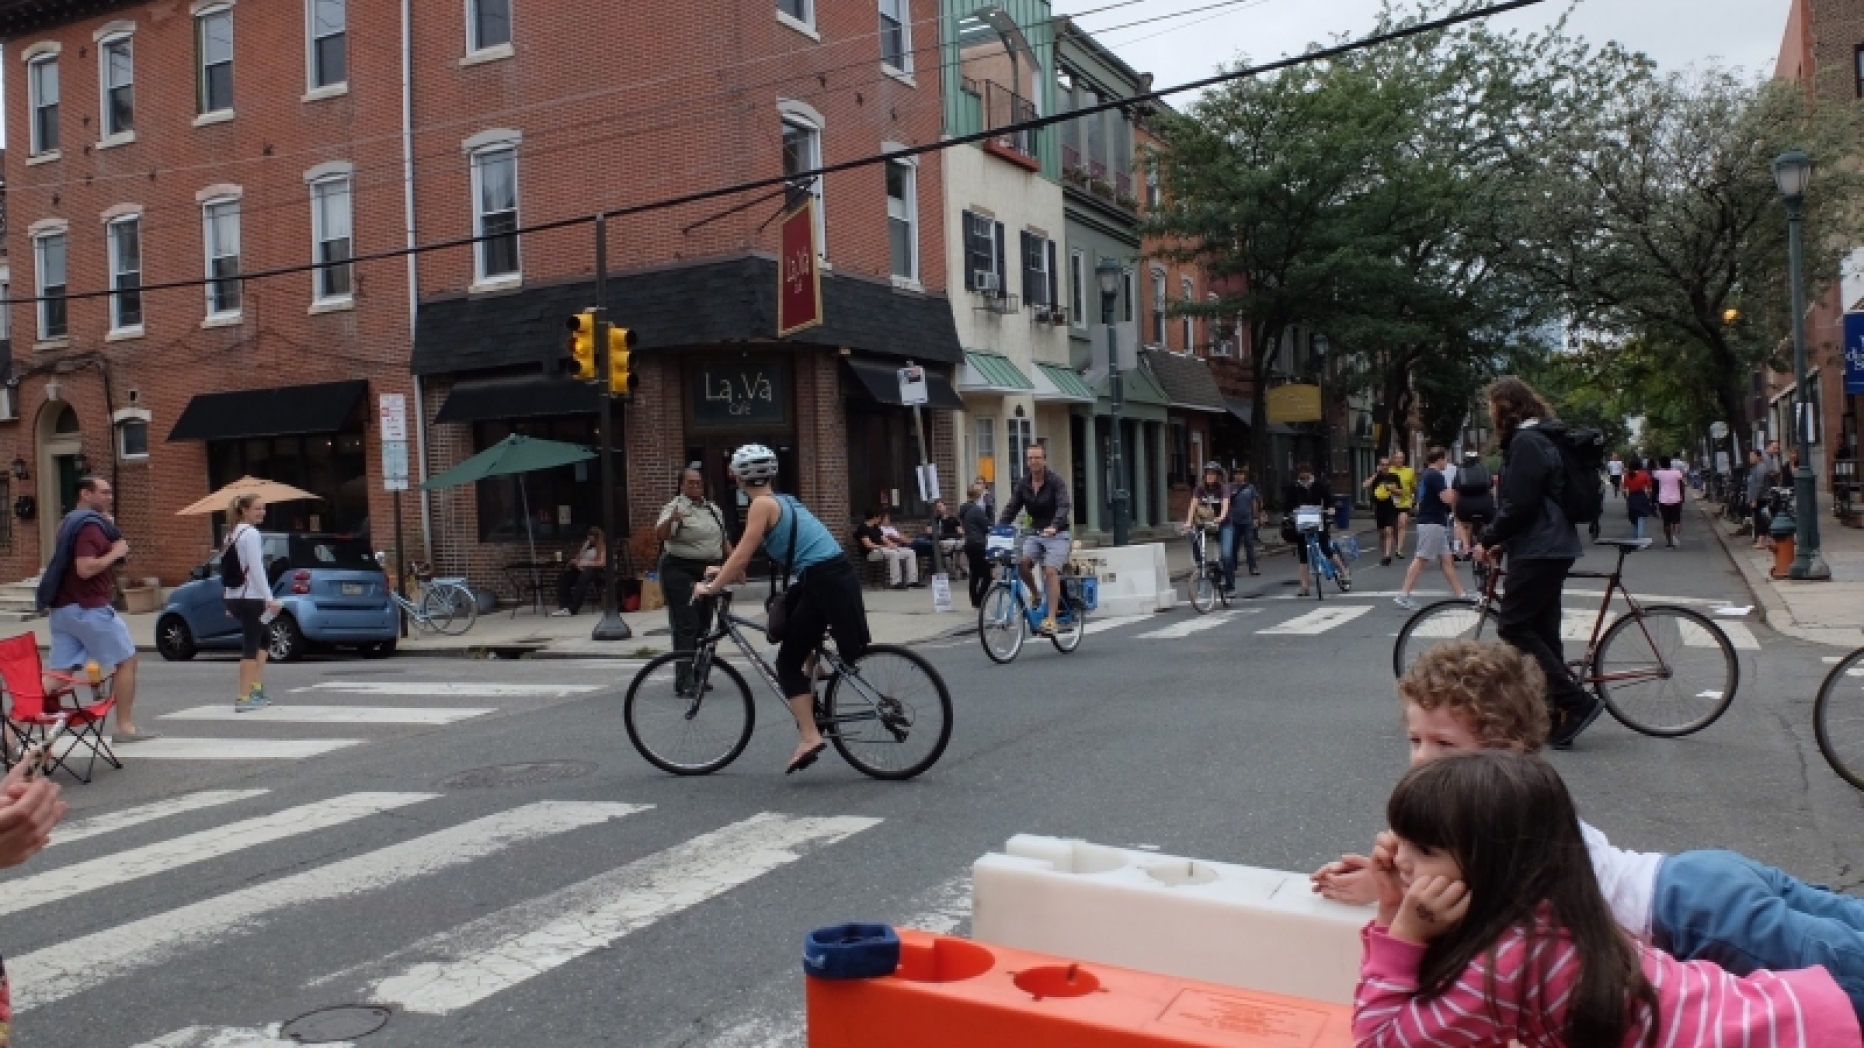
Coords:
984,282
1226,348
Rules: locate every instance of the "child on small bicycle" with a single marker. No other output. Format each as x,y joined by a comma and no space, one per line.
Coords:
1717,906
1307,491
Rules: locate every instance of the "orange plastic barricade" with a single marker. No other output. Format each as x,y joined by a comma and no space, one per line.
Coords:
955,993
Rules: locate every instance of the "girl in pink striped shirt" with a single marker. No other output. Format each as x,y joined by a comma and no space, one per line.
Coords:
1491,927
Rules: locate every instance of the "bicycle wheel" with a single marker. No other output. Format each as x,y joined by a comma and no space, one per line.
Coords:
1434,624
903,728
449,609
688,734
1001,624
1204,591
1838,718
1067,635
1666,671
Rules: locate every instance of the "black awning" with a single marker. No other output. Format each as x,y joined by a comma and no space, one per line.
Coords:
881,382
530,396
282,410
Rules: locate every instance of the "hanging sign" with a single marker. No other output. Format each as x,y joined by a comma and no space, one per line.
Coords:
799,278
1295,402
1854,353
912,386
392,413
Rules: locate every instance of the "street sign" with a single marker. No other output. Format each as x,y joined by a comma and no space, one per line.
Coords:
928,482
912,386
1718,430
392,412
394,465
799,278
941,592
1126,334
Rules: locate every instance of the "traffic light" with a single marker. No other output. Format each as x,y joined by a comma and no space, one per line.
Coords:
620,374
581,362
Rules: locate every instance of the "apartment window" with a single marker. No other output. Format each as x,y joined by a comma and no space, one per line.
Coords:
329,42
125,236
1038,270
1077,288
213,44
1158,307
1190,322
983,254
49,265
6,313
330,231
802,11
221,218
896,35
1152,184
42,75
133,439
1222,335
119,86
802,151
984,448
903,218
490,23
495,202
1022,435
1129,285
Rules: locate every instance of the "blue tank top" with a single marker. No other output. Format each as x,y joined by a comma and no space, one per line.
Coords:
814,543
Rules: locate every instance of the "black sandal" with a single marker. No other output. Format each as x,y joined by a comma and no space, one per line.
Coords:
806,758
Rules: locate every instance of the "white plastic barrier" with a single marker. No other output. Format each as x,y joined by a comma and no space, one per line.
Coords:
1134,580
1216,922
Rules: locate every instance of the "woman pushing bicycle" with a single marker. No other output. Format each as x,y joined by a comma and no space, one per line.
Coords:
824,596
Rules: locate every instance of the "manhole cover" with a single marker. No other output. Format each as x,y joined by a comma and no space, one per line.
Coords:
336,1024
532,774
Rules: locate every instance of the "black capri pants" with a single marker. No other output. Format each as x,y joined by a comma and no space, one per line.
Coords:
825,598
1326,547
251,631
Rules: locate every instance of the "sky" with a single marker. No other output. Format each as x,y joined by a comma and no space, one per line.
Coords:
1675,33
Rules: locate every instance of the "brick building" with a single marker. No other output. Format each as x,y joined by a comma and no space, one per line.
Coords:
170,144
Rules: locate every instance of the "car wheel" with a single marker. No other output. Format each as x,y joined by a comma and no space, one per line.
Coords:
284,642
173,639
379,651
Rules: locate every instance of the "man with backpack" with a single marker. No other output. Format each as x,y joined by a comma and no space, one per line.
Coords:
77,587
1550,483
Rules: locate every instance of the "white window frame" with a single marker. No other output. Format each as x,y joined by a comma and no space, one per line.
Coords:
909,170
311,71
202,104
1156,331
806,24
320,294
43,312
215,310
38,146
1040,243
117,321
1077,289
478,159
794,118
1216,344
1153,195
903,15
1188,291
121,421
1129,283
112,135
1021,436
474,45
984,437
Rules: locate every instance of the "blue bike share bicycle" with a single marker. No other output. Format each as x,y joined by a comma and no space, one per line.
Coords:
1006,618
1309,521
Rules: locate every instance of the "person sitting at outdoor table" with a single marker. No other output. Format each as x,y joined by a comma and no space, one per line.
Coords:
582,574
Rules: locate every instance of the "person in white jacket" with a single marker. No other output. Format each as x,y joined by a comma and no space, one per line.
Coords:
248,595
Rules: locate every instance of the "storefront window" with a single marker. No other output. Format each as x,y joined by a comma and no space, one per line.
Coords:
564,502
331,466
882,457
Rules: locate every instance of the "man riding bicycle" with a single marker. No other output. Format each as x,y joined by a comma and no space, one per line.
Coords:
1044,496
1310,492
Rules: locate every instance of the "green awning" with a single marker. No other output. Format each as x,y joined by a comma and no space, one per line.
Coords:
991,373
1060,382
1142,397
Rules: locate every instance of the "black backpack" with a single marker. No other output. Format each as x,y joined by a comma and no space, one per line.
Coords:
1582,457
232,573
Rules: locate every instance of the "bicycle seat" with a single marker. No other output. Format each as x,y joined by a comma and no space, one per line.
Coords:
1625,545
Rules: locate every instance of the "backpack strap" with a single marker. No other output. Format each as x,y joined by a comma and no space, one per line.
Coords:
789,556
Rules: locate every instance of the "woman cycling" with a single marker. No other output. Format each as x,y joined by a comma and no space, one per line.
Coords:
825,596
1307,491
1210,509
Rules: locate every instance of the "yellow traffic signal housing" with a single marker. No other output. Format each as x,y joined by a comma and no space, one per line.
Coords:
620,372
581,362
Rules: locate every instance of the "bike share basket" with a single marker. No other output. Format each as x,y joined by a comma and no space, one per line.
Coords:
1309,518
1001,542
851,951
1081,589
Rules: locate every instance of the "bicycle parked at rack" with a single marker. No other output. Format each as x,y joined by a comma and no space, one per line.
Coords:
446,607
1006,619
1661,670
1206,572
888,713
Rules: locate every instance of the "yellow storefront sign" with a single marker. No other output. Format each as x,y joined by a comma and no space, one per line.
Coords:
1296,402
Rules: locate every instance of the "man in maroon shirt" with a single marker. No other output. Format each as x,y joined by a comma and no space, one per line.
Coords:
85,628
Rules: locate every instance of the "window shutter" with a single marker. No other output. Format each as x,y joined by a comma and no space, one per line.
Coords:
1031,278
976,251
1049,247
1003,271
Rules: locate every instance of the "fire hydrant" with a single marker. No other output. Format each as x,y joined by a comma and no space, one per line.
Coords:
1783,531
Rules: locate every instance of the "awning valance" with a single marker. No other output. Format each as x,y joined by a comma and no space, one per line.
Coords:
280,411
529,396
881,382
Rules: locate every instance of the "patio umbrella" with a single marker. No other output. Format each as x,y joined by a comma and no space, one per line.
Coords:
516,454
269,490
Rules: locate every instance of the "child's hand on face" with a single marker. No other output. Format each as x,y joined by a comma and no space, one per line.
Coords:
1385,880
1431,907
1351,880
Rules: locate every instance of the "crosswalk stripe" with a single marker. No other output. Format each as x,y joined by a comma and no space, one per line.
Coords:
169,748
1095,625
86,961
1186,627
332,714
119,820
1320,620
459,967
1577,625
1738,634
107,871
233,1037
446,689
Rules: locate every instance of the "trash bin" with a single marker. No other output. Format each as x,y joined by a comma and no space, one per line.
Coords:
1342,512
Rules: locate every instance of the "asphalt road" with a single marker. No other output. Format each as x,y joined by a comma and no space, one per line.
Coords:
592,900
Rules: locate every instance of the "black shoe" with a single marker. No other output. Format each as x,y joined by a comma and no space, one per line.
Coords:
1569,723
1385,562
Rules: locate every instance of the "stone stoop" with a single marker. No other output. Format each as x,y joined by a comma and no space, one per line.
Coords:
16,601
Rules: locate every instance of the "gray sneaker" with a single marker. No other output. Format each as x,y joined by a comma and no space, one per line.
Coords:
1404,601
254,701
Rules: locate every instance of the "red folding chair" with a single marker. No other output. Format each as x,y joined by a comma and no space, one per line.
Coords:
35,712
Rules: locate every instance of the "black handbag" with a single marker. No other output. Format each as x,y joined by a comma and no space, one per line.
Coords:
777,606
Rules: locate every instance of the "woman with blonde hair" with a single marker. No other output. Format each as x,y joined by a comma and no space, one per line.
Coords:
248,595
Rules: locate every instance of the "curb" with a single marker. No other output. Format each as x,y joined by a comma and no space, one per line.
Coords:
1773,608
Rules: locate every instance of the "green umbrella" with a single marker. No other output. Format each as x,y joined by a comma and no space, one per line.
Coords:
514,455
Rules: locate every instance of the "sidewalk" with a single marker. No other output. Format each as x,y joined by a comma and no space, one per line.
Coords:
1822,612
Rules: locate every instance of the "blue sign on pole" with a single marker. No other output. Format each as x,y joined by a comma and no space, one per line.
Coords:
1854,353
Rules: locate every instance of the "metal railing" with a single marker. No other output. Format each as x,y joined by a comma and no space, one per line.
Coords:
1003,108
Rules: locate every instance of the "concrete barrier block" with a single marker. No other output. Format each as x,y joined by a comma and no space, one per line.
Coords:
1215,922
1134,580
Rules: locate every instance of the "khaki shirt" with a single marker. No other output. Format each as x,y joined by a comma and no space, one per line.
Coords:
699,535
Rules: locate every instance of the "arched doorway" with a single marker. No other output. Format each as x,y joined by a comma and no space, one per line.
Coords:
61,444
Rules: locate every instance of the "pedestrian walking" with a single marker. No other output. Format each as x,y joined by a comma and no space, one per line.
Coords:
975,519
78,587
1245,521
247,593
1615,470
1638,505
1384,510
1670,480
1474,505
583,573
1434,499
990,495
1210,510
1404,496
1757,496
692,539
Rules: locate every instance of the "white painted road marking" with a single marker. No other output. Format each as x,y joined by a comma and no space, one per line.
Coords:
1320,620
332,714
232,1037
467,964
83,962
446,689
107,871
1095,625
1738,634
1186,627
118,820
168,748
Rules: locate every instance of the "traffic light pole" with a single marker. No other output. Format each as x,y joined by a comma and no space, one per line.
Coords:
612,626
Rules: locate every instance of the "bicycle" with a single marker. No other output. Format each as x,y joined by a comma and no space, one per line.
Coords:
1207,573
1308,521
447,607
1005,619
878,704
1651,660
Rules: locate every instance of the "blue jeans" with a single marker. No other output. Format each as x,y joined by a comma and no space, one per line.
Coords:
1232,535
1637,527
1745,916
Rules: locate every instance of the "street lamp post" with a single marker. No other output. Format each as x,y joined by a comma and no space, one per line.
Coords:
1109,272
1792,171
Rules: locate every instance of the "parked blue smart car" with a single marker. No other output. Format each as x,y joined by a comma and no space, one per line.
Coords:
333,591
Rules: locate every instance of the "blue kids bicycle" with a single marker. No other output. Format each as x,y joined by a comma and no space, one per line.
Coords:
1006,619
1308,521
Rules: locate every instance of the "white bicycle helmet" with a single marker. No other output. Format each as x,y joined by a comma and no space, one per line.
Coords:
754,462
